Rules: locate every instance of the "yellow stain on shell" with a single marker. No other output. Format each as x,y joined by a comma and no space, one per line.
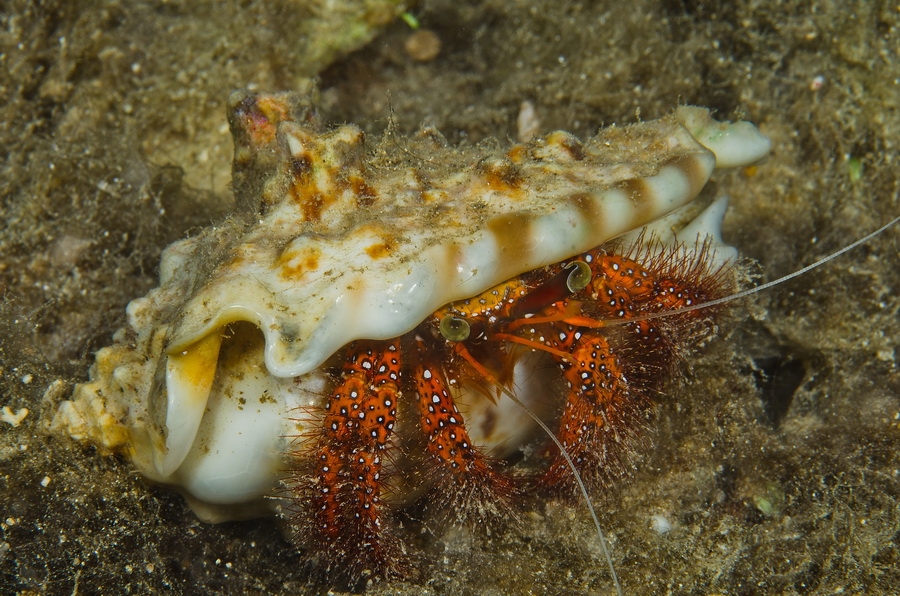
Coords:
382,249
293,265
197,364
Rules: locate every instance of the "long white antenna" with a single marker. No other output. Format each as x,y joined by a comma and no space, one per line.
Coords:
578,480
755,289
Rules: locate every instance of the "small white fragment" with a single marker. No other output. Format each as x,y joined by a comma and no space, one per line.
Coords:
527,124
660,524
15,419
27,379
45,481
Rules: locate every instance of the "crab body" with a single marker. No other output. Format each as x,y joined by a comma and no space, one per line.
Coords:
364,295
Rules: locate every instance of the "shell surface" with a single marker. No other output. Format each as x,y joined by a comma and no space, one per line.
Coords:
349,241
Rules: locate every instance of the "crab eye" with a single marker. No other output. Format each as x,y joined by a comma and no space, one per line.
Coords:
454,328
579,277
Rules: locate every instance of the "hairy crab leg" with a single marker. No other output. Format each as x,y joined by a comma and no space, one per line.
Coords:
610,381
603,410
358,424
467,484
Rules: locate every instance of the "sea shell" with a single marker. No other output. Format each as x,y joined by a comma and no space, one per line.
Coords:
347,240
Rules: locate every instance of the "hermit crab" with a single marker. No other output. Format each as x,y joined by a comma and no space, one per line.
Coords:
367,327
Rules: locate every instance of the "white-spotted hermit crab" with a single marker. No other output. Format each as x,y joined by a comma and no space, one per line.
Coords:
385,305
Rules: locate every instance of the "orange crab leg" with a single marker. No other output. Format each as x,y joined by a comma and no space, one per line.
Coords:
611,376
560,311
470,486
533,344
359,420
485,374
603,410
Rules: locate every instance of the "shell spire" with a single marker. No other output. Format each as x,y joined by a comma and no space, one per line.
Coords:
253,120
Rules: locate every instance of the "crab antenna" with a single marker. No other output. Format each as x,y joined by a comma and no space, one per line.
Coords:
581,487
754,289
